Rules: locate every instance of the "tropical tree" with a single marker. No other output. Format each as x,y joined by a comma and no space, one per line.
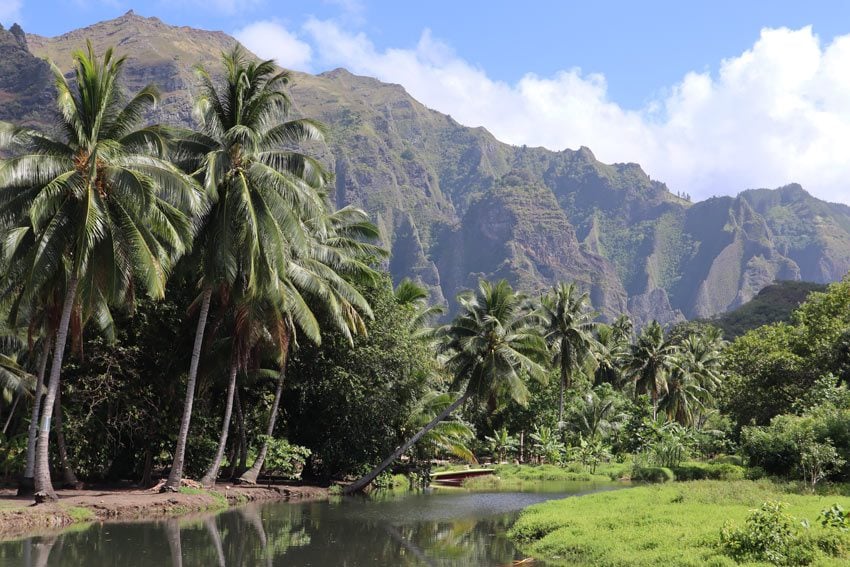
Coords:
502,443
259,190
649,362
568,328
409,292
319,278
94,211
489,345
694,376
547,445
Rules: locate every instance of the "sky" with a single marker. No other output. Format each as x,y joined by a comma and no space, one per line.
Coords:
709,97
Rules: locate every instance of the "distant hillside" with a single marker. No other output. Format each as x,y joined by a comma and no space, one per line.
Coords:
455,204
773,304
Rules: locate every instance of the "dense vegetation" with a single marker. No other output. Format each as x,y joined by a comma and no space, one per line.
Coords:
189,302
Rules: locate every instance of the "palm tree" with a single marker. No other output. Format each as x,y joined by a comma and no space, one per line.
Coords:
96,208
319,279
490,345
695,375
415,295
259,191
649,362
568,327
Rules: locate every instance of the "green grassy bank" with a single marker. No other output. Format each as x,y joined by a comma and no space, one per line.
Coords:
675,524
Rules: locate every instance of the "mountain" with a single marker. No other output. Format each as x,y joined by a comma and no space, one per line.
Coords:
454,203
773,304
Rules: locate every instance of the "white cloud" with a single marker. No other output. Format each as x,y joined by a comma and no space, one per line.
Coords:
775,114
271,40
10,11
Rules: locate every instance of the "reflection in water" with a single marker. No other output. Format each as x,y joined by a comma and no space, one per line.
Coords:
425,529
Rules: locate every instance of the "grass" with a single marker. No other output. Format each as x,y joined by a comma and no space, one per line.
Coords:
79,514
219,500
670,524
507,475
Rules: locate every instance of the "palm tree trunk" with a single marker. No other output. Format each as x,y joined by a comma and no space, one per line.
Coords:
69,479
243,435
176,474
42,462
361,483
12,411
250,476
563,389
25,487
212,472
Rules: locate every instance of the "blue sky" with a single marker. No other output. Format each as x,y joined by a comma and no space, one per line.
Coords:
712,97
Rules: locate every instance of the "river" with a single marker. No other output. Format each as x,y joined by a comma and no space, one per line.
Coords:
434,528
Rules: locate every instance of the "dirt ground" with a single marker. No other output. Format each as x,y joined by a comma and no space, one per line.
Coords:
18,516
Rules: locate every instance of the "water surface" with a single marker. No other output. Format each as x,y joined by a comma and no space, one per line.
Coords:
434,528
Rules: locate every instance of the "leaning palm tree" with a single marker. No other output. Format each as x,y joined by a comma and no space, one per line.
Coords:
649,362
319,278
568,326
490,345
259,190
95,210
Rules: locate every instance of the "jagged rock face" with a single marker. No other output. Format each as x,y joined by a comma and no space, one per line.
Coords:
455,204
24,81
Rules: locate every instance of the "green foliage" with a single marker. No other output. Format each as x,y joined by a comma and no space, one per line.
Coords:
773,304
349,403
653,474
810,447
708,471
769,535
285,459
666,524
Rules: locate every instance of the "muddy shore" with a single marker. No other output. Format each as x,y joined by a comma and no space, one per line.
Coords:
19,517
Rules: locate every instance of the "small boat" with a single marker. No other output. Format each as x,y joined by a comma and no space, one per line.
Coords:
456,478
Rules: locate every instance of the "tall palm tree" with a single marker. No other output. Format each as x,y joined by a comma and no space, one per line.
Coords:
492,342
649,363
568,326
695,375
258,187
97,207
319,278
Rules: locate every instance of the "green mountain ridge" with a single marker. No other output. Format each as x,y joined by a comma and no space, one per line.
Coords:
454,203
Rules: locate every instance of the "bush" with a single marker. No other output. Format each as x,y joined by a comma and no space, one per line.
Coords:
810,447
736,460
769,535
653,474
708,471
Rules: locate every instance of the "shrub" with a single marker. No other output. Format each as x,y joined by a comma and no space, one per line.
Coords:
653,474
708,471
769,535
736,460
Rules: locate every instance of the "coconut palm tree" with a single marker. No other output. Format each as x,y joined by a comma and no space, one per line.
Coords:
695,375
492,342
96,208
409,292
568,328
319,278
649,362
259,189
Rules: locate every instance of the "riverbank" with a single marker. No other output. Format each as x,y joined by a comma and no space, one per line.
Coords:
672,524
19,517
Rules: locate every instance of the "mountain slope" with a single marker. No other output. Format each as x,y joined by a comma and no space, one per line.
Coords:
455,204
